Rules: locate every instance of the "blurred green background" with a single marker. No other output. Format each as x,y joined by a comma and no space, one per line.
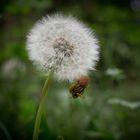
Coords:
111,107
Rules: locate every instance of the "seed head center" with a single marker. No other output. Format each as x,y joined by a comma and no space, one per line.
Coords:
63,47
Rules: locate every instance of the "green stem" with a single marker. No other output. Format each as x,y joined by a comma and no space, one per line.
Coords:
41,106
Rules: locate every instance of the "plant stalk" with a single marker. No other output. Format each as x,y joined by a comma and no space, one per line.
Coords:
41,107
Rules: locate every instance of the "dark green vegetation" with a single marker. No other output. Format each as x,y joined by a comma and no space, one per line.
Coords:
111,107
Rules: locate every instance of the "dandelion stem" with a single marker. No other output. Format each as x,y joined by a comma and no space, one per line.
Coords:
41,107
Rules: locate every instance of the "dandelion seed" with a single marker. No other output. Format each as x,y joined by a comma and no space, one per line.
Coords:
64,45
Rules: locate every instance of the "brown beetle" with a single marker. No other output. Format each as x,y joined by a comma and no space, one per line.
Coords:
77,89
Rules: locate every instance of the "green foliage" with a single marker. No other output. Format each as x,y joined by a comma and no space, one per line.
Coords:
110,109
26,6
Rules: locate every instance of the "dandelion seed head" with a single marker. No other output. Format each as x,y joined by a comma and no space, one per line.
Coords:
64,45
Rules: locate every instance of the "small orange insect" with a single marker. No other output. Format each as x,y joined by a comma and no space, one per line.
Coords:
77,89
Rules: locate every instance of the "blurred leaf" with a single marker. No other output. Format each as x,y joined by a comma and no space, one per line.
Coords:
131,105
